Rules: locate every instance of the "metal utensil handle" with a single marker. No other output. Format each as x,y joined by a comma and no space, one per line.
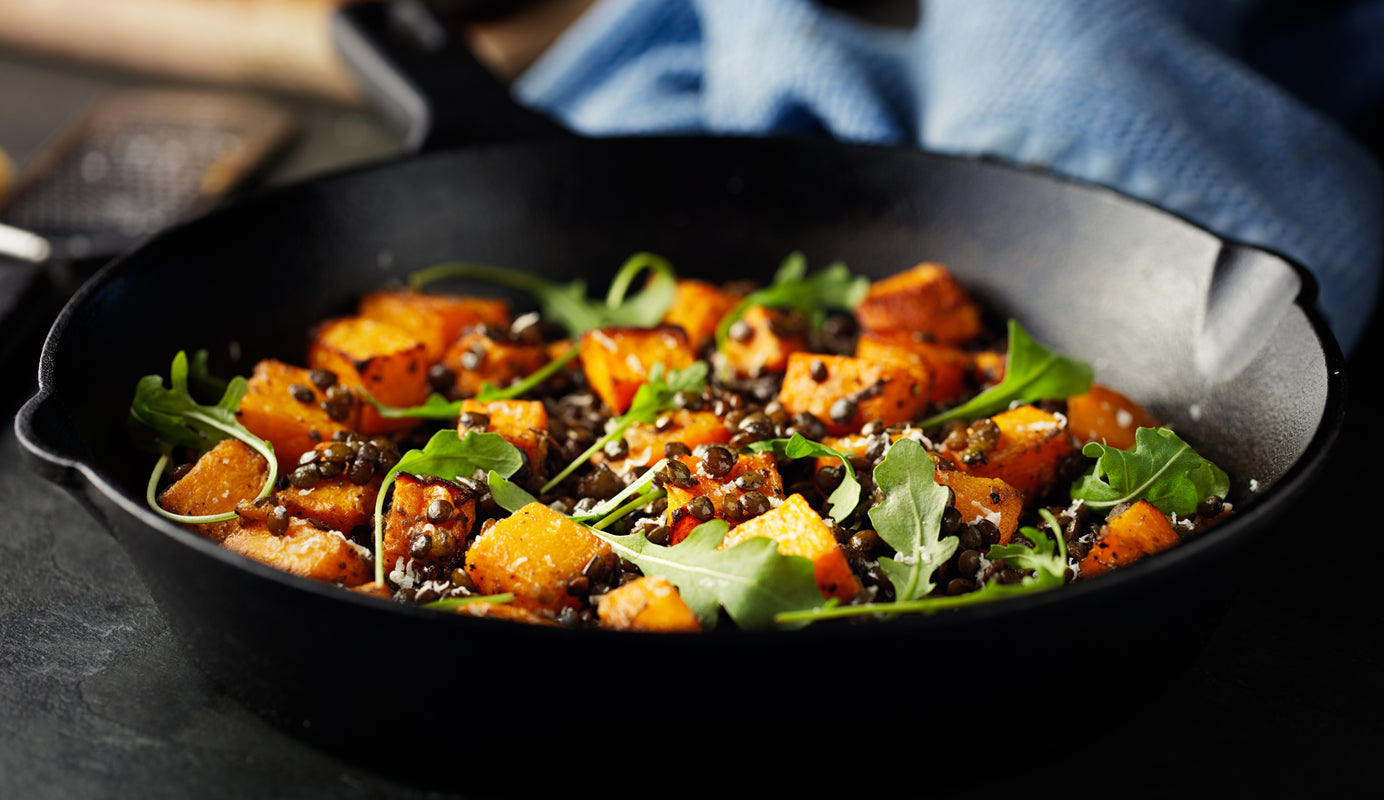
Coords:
426,82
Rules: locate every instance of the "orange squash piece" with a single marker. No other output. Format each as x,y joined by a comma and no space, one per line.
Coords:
984,498
697,308
718,489
224,476
1029,454
408,517
536,553
478,359
523,423
800,531
926,298
384,360
648,604
303,550
436,320
338,502
949,369
271,411
762,347
616,361
1140,530
889,392
509,612
646,442
1105,415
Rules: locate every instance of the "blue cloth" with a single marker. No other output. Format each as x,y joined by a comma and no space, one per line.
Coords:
1192,105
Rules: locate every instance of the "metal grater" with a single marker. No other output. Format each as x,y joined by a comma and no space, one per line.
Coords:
141,161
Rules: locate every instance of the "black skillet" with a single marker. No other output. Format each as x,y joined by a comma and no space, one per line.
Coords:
1222,340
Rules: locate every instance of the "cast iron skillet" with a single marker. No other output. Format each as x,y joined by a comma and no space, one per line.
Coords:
1134,290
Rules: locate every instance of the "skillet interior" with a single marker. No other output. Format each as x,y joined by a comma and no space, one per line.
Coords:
1089,273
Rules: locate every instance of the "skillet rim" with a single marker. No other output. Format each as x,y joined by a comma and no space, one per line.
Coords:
1293,482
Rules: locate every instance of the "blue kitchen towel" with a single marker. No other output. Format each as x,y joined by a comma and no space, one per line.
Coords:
1154,98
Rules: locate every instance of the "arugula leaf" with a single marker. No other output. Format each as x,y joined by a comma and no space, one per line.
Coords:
171,418
752,580
1160,468
1032,372
435,407
846,496
567,303
831,288
507,494
654,396
1047,558
910,519
446,455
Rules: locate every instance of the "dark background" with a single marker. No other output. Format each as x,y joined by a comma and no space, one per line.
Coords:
1283,693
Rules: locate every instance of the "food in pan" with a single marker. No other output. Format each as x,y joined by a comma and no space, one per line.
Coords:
677,456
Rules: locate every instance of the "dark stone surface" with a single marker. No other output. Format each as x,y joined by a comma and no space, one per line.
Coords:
98,700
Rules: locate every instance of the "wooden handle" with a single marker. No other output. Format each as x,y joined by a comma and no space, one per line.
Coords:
276,44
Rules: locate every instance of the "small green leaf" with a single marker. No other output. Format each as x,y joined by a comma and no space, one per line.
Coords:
567,303
507,494
435,407
831,288
752,580
449,456
1160,468
169,417
1032,372
910,519
846,496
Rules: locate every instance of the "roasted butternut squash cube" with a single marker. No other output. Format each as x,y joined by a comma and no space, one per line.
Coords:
648,604
304,550
1105,415
865,390
752,473
225,475
617,361
338,500
646,442
948,369
428,521
980,498
926,298
523,423
536,553
436,320
760,342
477,358
379,358
800,531
1140,530
697,308
1032,445
284,407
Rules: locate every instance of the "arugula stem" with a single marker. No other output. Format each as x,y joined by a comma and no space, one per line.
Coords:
610,436
535,378
636,264
516,279
638,502
255,443
450,603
